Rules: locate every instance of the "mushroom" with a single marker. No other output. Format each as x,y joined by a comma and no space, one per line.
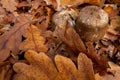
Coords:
64,21
91,23
60,18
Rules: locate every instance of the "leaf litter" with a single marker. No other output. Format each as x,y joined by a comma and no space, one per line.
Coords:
34,48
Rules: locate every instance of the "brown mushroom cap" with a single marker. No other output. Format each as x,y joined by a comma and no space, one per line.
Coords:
92,23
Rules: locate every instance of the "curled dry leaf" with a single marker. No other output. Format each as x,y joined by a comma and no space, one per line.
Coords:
91,53
69,36
33,40
114,76
9,5
4,63
85,65
101,61
11,39
42,68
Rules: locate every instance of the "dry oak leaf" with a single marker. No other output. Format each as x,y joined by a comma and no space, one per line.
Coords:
116,75
44,14
71,38
66,3
9,5
10,40
33,40
43,68
6,72
51,2
36,3
101,61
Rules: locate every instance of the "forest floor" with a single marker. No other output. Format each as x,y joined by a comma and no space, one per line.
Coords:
33,47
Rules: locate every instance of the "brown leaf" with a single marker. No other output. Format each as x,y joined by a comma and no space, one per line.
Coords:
98,77
100,61
43,68
4,63
51,2
92,54
44,14
71,2
9,5
111,9
11,40
74,3
36,3
69,36
113,33
23,4
34,41
96,2
114,76
85,67
114,1
67,69
6,72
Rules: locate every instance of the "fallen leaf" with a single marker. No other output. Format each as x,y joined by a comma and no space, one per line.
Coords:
4,63
69,36
85,67
23,4
34,40
6,72
111,9
43,68
100,61
91,53
11,39
44,14
115,76
66,3
9,5
96,2
36,3
113,33
97,77
113,1
52,2
67,69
